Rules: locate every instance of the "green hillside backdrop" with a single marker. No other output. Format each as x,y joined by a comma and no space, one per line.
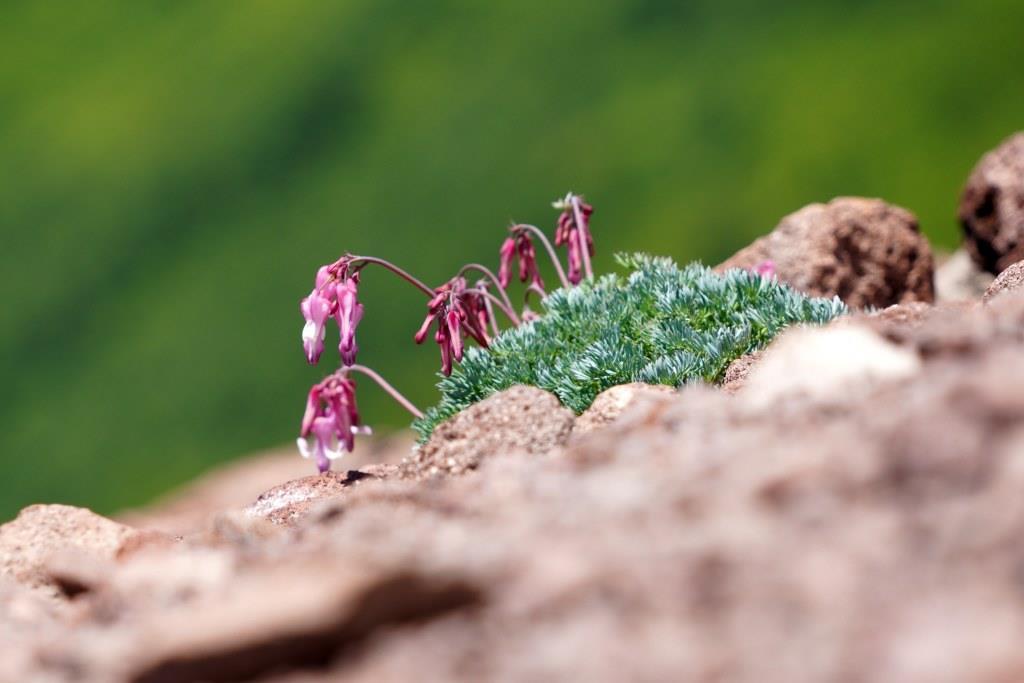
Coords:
173,173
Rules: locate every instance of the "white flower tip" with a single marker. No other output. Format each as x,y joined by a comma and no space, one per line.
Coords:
303,447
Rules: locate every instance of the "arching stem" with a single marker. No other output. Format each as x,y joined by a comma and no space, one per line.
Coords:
394,393
490,298
482,284
584,234
534,288
484,270
361,261
552,254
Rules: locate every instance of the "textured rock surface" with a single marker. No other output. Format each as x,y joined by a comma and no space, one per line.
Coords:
235,485
826,364
42,532
287,502
521,418
862,531
612,403
865,251
992,207
739,370
1011,278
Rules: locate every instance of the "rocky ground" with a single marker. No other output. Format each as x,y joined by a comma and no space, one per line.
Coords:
846,506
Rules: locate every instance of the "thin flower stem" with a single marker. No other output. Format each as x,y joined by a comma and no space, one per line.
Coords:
482,285
583,233
507,310
491,276
534,288
396,270
490,315
394,393
539,234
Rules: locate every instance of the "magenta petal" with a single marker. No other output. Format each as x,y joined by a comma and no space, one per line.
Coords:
312,409
455,334
575,258
421,334
508,250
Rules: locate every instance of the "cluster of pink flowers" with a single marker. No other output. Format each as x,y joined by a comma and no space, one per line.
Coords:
331,418
519,244
334,294
574,232
458,311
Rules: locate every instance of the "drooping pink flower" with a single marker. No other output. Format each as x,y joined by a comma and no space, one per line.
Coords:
457,310
508,250
573,231
348,314
331,419
575,273
335,293
522,246
315,309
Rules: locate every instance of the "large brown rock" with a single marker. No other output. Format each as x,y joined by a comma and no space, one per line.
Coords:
861,526
865,251
992,207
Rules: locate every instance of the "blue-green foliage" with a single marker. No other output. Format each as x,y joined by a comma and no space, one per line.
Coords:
661,324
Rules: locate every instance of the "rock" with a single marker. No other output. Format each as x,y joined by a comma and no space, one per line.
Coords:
312,614
831,364
613,402
236,484
41,532
1012,278
870,535
519,419
992,207
738,371
865,251
286,503
958,278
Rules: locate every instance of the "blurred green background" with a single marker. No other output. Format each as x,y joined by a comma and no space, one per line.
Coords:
173,174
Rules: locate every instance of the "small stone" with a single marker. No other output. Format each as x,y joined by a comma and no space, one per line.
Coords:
520,419
613,402
293,500
738,371
1012,278
865,251
992,207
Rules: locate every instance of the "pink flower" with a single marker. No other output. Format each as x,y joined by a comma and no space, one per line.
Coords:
348,314
335,294
331,418
457,310
508,250
573,231
575,262
315,309
520,245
